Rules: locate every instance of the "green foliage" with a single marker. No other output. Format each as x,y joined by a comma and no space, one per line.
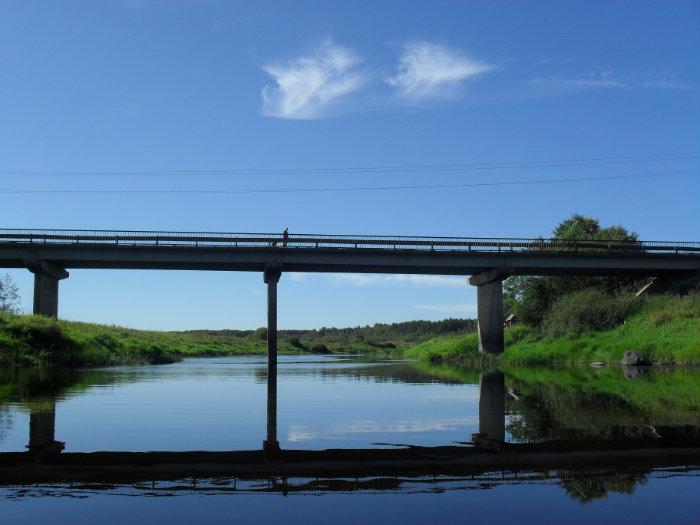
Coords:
462,350
588,310
320,349
530,298
32,340
664,328
581,228
381,333
296,343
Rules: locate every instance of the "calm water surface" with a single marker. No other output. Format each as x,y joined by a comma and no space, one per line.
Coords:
348,403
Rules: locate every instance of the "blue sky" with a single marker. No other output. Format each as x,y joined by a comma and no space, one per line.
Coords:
139,86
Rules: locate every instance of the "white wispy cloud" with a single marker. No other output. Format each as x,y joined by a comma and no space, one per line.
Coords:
300,277
608,80
665,80
592,80
367,279
373,279
430,70
307,86
459,308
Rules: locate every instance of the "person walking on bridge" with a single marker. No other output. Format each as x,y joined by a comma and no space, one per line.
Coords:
285,237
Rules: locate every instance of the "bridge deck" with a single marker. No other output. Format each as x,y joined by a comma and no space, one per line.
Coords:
342,253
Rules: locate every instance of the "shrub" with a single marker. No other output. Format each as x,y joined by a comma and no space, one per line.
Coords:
320,349
586,311
296,343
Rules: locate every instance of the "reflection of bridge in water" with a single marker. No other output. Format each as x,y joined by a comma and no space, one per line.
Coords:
486,461
317,486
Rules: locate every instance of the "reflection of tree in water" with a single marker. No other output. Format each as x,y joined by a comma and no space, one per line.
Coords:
547,412
576,403
382,372
30,385
587,489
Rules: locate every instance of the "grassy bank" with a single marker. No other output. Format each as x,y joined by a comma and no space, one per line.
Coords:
666,329
27,340
33,340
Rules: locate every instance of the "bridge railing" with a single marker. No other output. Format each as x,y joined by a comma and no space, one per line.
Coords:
320,241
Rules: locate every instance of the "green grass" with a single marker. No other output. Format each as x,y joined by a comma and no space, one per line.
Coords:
666,329
27,340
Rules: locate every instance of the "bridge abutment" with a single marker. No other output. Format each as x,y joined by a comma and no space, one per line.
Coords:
46,278
489,299
271,277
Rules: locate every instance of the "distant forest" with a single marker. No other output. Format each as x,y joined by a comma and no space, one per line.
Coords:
407,331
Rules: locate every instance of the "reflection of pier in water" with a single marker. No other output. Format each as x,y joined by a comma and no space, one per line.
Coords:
343,469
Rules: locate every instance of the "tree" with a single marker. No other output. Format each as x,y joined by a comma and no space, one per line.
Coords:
260,333
531,297
9,294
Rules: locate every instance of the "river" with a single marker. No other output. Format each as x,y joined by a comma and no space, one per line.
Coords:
406,443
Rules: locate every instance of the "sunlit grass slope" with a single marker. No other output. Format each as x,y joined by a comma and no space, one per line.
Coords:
666,329
31,340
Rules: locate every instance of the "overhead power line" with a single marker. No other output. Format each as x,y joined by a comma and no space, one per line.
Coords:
454,167
349,188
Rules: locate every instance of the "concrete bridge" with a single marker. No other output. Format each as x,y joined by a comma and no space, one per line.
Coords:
49,254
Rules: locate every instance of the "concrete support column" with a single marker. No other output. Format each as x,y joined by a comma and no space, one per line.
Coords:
46,277
489,300
492,406
271,277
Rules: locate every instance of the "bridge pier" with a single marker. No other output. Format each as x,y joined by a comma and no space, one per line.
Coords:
46,277
271,277
489,300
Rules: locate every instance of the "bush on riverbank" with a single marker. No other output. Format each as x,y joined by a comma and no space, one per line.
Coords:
587,310
31,340
664,328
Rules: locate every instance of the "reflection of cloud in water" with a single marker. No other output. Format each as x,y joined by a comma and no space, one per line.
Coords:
453,394
302,433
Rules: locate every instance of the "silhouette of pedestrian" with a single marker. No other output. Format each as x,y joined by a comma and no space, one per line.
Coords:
285,237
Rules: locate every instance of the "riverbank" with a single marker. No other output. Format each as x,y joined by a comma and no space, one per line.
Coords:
28,340
666,330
